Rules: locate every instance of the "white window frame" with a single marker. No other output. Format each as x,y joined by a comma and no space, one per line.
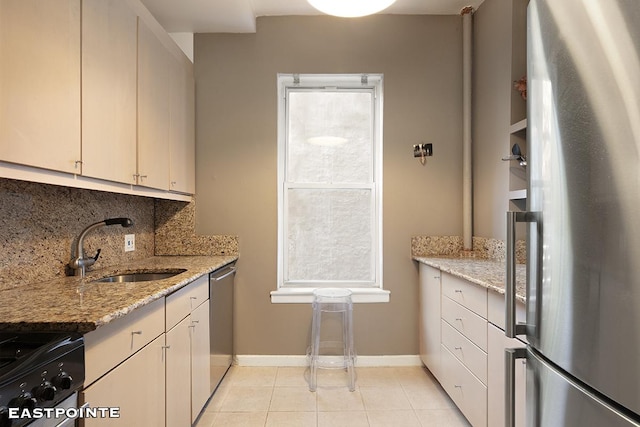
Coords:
301,291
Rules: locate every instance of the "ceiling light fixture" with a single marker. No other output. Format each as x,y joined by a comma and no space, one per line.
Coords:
350,8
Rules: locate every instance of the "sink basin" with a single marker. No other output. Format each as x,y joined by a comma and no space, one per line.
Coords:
140,277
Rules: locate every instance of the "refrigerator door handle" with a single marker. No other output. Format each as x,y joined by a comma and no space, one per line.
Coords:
511,354
511,327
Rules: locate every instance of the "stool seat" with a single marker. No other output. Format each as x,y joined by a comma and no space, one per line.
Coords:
336,353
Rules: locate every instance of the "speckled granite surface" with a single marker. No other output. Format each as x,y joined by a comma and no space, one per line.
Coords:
483,247
81,305
38,223
175,225
488,273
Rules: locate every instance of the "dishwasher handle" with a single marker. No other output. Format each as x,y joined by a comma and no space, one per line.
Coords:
222,273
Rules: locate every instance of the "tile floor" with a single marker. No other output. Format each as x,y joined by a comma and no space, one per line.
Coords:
280,397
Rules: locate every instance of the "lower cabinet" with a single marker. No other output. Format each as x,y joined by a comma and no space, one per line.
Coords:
200,359
465,389
154,363
430,318
188,365
178,408
464,350
136,386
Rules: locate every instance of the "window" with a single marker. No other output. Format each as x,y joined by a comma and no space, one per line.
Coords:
329,186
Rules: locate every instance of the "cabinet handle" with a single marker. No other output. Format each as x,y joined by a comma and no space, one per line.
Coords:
194,297
457,348
166,346
457,386
458,291
195,321
459,319
136,332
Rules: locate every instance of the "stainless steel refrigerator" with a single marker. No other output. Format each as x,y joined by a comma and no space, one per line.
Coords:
583,238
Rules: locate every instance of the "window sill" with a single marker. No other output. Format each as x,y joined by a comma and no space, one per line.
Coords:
305,295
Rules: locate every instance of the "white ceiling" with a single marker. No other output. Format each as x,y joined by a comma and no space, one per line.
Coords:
238,16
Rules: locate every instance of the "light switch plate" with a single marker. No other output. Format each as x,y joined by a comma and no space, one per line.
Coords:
129,242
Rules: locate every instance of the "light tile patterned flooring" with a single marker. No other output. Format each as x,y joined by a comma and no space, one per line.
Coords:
280,397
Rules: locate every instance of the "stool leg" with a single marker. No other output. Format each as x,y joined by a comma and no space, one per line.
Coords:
349,351
315,348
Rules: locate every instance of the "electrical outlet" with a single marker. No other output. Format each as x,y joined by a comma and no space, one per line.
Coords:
129,242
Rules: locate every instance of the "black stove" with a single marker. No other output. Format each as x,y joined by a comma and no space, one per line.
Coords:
37,370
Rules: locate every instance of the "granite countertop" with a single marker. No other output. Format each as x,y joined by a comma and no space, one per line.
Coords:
484,272
73,304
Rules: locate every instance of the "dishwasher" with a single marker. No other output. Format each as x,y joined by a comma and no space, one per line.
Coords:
221,322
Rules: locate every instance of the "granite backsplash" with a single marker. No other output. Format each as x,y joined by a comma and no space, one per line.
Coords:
485,248
38,223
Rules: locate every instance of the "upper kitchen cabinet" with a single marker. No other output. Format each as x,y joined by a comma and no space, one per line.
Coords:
95,94
109,84
154,62
40,83
182,126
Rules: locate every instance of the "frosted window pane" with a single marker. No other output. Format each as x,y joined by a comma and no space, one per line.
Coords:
330,235
330,137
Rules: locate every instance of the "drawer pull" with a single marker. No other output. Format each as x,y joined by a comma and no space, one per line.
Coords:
458,348
136,332
459,319
457,386
166,346
458,291
194,297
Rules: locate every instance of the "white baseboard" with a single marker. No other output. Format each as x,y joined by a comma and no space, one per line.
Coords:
301,360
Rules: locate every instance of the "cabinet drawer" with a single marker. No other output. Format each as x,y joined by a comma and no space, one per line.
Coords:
468,393
497,310
466,322
468,294
112,343
465,351
185,300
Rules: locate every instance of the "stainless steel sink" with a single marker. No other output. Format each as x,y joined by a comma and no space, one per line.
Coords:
140,277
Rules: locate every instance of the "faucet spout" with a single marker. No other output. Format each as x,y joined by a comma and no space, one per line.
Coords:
79,262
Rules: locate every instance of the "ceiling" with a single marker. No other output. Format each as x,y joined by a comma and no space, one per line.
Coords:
238,16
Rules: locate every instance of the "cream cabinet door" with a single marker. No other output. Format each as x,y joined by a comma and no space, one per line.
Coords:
154,63
496,379
136,386
200,360
40,83
178,385
182,154
430,333
109,63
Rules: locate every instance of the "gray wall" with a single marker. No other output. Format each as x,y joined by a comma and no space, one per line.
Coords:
236,109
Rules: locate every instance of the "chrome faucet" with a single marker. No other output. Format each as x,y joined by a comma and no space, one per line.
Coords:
79,262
